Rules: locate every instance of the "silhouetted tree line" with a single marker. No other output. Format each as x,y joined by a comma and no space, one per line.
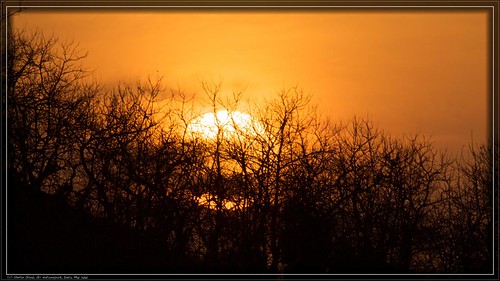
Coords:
291,193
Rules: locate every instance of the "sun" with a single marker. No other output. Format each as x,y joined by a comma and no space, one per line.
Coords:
209,202
223,123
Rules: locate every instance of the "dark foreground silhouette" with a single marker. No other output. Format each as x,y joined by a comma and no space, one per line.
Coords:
48,236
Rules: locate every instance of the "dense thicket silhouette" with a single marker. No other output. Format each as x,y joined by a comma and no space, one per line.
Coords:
291,192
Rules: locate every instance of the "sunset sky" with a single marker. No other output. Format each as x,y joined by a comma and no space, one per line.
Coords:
407,71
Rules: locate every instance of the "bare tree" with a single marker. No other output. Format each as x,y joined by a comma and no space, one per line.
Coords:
465,216
117,152
49,102
391,185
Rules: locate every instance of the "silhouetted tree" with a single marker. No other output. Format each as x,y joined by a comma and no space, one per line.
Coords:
289,192
463,238
49,102
390,185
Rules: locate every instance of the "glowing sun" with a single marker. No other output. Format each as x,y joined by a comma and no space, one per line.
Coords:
225,123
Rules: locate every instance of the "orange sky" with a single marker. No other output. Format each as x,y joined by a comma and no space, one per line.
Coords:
409,72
